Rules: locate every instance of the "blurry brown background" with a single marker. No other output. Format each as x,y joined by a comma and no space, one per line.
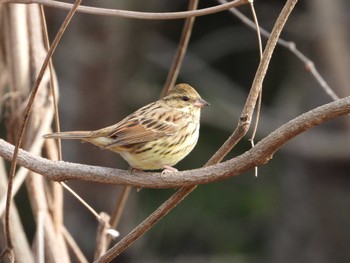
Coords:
297,210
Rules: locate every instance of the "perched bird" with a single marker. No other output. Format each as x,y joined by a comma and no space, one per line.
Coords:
156,136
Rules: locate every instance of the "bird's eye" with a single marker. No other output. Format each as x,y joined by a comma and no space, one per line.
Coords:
185,98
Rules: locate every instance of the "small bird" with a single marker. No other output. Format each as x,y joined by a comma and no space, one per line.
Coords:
156,136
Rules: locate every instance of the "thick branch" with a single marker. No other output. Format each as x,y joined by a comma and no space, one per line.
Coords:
260,154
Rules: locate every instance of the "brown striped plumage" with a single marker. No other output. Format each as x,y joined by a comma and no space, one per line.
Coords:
156,136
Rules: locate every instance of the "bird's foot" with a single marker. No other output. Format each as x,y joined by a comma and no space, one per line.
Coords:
135,170
168,170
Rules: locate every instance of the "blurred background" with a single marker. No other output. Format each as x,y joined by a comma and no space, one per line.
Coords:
296,210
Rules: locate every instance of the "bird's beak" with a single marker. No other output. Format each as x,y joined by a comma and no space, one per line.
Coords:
201,103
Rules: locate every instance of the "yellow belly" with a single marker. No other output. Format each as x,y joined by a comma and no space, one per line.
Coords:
157,155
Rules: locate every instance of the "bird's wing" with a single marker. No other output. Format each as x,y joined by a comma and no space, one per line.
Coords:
140,128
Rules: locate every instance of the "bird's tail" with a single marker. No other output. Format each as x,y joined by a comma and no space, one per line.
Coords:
73,135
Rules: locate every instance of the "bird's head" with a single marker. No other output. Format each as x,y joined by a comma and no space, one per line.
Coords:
184,97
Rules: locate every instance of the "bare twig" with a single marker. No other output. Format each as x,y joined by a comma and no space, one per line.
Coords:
101,235
181,50
334,41
53,82
260,55
57,191
79,256
258,109
117,214
120,207
101,220
40,244
133,14
291,46
81,200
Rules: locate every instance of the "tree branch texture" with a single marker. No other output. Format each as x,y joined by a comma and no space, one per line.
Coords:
259,155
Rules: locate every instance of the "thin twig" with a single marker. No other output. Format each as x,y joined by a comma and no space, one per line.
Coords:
252,143
81,200
120,207
260,55
118,211
53,82
133,14
258,109
40,244
181,50
291,46
79,256
57,192
101,235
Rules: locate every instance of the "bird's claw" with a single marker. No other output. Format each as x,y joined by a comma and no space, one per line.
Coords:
168,170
